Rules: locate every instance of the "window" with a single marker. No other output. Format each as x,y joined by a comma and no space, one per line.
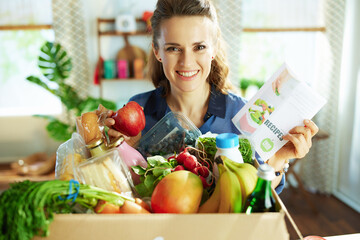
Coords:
24,27
280,31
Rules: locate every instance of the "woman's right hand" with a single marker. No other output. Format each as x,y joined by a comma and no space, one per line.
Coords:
283,77
109,122
114,134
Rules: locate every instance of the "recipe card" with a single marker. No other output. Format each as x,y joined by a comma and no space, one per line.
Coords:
282,103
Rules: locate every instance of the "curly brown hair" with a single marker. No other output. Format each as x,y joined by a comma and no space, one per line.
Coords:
165,9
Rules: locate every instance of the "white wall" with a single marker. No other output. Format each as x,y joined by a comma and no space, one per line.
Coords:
22,136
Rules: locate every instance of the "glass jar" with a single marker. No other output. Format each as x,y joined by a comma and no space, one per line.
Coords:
97,147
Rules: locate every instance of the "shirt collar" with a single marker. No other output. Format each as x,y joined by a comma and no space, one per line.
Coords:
157,104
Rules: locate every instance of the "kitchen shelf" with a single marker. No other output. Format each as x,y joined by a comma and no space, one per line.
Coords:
114,33
123,34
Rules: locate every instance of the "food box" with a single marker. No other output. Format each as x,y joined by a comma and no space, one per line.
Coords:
171,134
256,226
181,132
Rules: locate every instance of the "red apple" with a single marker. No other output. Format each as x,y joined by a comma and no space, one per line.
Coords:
130,119
177,192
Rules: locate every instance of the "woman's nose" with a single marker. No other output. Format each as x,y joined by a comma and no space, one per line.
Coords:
186,59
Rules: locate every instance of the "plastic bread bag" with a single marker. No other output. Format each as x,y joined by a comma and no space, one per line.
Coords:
68,156
91,127
107,171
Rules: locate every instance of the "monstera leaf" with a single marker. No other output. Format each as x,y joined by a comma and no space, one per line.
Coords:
55,66
54,62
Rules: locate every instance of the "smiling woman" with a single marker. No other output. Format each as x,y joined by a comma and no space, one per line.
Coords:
188,69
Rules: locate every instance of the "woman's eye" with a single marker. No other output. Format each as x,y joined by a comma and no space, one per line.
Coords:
173,49
200,47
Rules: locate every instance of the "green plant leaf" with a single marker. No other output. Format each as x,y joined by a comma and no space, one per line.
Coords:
139,170
56,65
158,172
59,131
69,97
54,62
47,117
244,83
142,190
149,181
155,160
91,104
259,84
39,82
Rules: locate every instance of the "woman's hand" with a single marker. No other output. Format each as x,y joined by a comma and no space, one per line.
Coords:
109,122
300,141
283,77
114,134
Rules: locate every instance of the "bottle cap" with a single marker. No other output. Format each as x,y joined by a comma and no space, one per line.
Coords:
94,143
117,142
266,172
227,140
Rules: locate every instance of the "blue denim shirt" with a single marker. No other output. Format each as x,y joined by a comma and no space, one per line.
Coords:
222,108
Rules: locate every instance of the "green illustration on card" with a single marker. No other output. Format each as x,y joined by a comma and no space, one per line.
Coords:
267,145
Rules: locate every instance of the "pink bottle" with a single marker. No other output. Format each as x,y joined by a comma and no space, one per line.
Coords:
122,69
131,157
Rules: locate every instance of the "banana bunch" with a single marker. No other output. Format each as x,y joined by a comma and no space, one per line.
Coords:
236,182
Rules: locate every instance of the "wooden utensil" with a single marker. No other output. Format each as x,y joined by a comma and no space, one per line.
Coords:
130,53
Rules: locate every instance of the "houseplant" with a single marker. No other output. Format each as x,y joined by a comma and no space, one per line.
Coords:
55,65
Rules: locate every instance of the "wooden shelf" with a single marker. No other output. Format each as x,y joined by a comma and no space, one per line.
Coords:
123,34
24,27
122,79
112,20
111,31
301,29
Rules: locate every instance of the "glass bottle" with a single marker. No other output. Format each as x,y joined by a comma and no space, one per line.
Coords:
261,199
227,145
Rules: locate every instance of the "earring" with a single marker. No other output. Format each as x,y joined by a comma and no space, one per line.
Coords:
159,59
212,58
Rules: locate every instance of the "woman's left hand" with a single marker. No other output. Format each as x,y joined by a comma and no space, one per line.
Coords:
300,141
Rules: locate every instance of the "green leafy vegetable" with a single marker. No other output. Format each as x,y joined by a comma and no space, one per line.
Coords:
158,167
27,208
208,145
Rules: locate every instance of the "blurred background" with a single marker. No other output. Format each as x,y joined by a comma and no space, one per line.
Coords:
318,39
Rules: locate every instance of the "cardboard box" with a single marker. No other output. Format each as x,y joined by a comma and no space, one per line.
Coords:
256,226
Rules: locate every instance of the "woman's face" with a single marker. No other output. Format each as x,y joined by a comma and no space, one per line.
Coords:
186,46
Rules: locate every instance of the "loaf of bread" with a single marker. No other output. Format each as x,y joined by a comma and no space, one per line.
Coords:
88,127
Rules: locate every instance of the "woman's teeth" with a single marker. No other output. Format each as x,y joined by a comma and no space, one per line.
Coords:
188,74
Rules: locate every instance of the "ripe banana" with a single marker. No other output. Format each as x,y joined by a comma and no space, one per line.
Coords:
212,204
246,175
230,191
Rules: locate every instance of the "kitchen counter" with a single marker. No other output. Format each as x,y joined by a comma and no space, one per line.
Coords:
8,175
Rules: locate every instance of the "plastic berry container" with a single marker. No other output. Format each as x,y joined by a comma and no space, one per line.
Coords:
170,135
